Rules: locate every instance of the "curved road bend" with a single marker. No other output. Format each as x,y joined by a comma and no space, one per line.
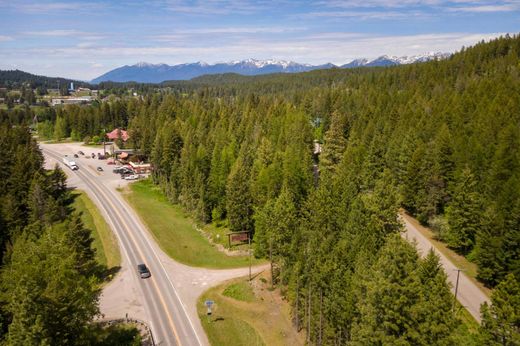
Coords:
468,294
169,320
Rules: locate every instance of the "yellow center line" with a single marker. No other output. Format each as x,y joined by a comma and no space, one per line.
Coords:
122,219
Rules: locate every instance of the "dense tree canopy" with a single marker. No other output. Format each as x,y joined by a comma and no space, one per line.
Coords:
439,139
48,282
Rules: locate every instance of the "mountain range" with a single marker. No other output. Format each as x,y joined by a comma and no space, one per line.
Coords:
155,73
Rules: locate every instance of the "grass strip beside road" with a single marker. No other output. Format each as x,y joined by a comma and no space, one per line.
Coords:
105,242
175,231
262,319
240,291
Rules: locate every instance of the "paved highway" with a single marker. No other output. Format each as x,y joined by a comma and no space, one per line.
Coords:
170,322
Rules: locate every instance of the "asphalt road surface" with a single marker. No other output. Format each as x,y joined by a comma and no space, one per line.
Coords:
468,294
169,319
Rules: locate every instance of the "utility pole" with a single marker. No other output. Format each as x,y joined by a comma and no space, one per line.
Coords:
456,288
249,243
310,316
271,260
297,307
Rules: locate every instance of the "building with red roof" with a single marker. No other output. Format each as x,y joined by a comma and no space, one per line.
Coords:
118,133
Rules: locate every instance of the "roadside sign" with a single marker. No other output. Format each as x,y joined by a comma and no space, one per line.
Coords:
209,304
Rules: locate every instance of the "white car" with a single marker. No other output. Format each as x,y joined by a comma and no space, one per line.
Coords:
132,177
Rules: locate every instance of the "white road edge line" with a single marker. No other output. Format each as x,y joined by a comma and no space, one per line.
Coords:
138,219
150,320
160,262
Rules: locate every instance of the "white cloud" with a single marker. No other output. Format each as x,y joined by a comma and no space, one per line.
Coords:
242,30
67,33
4,38
375,9
338,48
377,3
363,15
223,32
486,8
56,33
214,7
53,7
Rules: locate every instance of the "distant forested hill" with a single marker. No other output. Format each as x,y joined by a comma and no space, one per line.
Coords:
15,79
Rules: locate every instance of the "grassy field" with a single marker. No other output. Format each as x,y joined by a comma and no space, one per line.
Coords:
247,314
175,232
240,291
105,242
469,268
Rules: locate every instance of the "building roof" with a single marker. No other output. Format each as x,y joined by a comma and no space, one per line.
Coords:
115,135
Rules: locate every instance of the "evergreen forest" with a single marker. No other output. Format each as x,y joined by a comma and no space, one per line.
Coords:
438,140
49,279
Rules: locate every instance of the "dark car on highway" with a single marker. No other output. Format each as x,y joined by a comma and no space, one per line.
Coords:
143,271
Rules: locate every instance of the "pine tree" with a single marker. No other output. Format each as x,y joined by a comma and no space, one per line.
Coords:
79,240
501,321
464,213
334,144
414,184
238,198
37,199
388,296
434,311
58,184
60,129
50,302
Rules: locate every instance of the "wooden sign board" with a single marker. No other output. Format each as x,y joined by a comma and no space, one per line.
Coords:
238,237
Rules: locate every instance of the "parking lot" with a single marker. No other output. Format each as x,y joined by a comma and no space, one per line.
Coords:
100,168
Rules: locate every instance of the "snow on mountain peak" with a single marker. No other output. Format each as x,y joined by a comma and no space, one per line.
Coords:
262,63
146,64
422,57
155,73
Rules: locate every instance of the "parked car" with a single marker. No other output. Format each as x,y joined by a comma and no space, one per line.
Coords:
126,174
123,170
100,169
93,155
81,153
143,271
131,177
76,155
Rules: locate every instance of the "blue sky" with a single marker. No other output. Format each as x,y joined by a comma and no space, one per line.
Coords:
83,39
